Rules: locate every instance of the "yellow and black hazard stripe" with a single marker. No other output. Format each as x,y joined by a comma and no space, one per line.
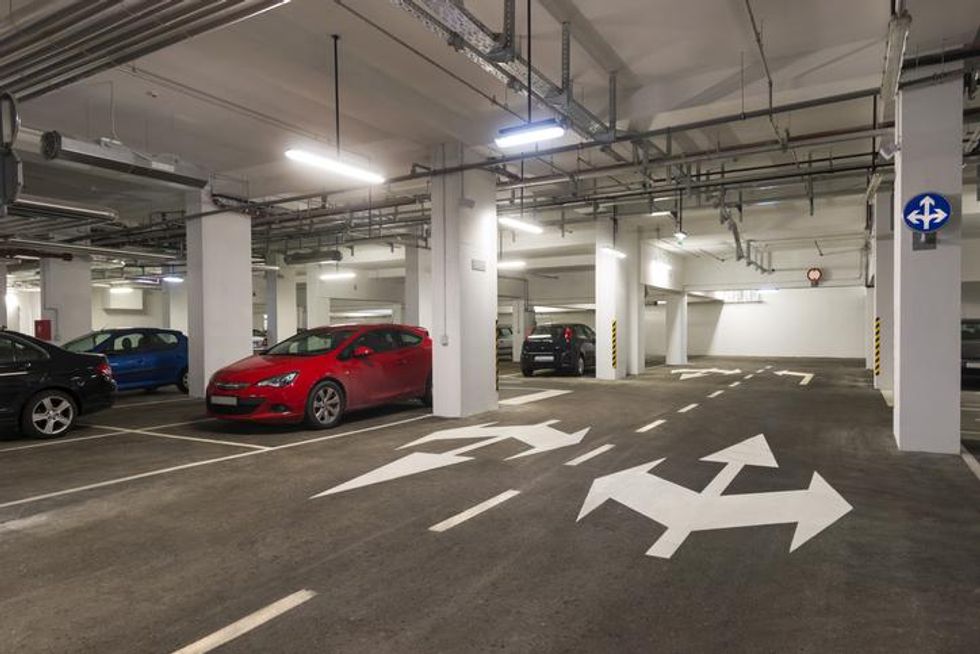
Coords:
877,346
615,345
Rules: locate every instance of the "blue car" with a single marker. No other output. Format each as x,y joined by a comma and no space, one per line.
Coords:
141,358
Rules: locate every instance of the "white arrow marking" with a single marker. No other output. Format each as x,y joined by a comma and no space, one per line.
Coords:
541,437
682,511
805,376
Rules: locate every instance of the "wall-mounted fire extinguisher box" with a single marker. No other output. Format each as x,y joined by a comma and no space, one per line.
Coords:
42,329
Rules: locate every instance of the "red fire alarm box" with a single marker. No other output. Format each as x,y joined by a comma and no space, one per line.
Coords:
42,329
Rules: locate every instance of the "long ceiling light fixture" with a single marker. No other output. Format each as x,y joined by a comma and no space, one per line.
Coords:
529,132
520,225
334,164
619,254
337,275
513,264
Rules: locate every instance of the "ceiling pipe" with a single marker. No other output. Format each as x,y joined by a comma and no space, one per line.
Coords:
54,19
85,250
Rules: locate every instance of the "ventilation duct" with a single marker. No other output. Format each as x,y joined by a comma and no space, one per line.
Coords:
320,256
110,155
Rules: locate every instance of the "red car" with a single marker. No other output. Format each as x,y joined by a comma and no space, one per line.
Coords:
318,375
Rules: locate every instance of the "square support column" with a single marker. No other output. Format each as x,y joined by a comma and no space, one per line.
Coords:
928,282
884,290
175,307
612,297
66,297
280,297
418,287
317,298
676,329
464,287
635,304
219,290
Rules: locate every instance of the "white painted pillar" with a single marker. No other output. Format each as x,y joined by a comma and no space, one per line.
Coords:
175,306
676,329
66,297
928,282
464,287
884,290
869,324
398,314
3,296
521,324
631,243
219,290
611,298
280,299
317,297
418,287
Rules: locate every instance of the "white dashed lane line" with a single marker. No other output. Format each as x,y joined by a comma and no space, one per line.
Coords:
688,408
459,518
734,384
591,454
248,623
749,376
652,425
715,394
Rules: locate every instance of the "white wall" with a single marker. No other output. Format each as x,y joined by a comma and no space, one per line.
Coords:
23,308
152,314
811,322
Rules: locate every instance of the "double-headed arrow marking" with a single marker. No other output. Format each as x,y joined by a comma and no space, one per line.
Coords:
682,510
693,373
805,376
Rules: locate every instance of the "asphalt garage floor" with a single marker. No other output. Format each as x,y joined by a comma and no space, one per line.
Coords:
154,528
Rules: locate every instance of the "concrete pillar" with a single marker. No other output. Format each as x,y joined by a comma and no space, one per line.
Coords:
884,291
219,290
635,304
521,324
280,298
66,297
676,329
869,328
928,282
612,324
398,315
3,296
418,287
317,297
175,307
464,287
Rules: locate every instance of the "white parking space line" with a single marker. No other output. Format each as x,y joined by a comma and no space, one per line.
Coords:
460,518
971,461
133,405
198,464
60,441
652,425
715,394
734,384
591,454
688,408
532,397
213,441
248,623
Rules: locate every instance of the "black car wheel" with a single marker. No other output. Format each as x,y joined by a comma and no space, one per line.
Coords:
527,372
325,405
182,381
48,414
580,367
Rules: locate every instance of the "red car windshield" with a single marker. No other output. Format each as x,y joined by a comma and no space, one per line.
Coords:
311,343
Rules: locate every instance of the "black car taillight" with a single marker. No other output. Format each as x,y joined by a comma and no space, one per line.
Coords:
104,369
568,334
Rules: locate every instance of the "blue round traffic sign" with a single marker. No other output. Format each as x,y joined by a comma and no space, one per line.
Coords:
927,212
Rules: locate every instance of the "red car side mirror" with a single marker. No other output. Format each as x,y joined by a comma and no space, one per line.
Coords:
362,351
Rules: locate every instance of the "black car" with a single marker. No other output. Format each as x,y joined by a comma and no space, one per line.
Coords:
970,350
561,347
44,388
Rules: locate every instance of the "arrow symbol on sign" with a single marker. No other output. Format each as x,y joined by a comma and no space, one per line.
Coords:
542,437
927,216
805,376
683,511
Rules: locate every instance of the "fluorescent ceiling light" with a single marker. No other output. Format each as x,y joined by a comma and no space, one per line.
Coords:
333,276
366,313
173,279
661,214
511,265
520,225
619,254
768,290
121,290
100,285
661,267
333,165
680,235
540,309
542,130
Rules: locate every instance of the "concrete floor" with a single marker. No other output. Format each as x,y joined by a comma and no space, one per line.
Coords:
153,528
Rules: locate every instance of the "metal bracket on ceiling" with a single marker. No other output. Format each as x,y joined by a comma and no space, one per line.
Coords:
505,42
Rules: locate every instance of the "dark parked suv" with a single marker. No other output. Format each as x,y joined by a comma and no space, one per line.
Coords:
562,347
44,388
